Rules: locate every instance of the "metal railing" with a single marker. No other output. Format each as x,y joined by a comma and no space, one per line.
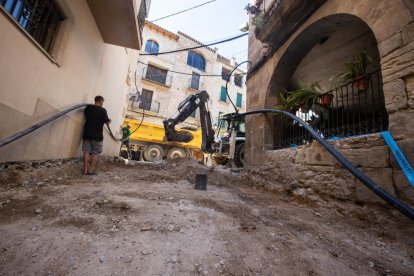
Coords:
40,19
152,106
355,108
157,75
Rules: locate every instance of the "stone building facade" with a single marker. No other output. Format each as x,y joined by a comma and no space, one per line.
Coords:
164,81
89,48
311,41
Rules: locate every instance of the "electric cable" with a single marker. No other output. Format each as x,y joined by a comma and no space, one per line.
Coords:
181,11
189,74
196,47
142,119
228,80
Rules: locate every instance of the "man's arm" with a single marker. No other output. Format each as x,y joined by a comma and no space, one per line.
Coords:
106,119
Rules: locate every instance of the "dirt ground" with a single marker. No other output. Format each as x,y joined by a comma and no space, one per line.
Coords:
147,219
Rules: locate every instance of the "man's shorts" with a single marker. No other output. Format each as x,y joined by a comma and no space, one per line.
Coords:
92,146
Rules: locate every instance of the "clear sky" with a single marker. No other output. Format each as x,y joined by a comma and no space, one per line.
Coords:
217,20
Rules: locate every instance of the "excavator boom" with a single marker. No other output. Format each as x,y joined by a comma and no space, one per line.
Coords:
186,108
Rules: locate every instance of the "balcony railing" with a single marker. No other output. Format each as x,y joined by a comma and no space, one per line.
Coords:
282,18
152,106
157,75
355,108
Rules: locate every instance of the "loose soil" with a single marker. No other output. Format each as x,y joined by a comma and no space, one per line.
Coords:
147,219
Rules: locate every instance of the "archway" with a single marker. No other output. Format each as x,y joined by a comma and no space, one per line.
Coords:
318,54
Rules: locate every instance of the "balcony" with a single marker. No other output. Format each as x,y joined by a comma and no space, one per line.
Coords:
139,106
157,75
355,108
282,18
117,21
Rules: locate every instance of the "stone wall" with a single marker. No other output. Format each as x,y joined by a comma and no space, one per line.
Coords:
311,174
392,24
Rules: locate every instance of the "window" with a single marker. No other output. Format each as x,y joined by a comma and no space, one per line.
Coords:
239,100
146,100
223,94
156,74
196,60
151,47
41,19
238,80
225,74
195,81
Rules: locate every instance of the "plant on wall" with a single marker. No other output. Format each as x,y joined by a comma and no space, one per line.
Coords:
258,21
252,9
354,71
303,97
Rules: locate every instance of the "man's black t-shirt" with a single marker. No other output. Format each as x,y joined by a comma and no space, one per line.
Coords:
96,117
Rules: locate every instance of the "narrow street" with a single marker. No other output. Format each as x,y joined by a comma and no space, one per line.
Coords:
147,219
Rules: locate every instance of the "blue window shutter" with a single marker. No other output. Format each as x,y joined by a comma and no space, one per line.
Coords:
196,60
151,47
223,94
239,100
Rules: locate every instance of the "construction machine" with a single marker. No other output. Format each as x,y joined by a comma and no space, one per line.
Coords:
229,143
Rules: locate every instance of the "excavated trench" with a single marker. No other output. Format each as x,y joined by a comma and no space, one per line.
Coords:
147,219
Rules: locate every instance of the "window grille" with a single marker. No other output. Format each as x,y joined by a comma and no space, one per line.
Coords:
225,74
238,80
146,99
40,18
156,74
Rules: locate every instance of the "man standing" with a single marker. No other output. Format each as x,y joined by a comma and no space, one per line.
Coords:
126,132
95,116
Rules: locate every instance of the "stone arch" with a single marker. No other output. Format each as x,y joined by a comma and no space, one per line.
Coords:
313,35
391,24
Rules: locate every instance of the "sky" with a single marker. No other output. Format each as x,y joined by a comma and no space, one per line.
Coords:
214,21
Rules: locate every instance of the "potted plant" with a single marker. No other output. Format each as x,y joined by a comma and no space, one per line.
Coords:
303,97
252,9
355,71
258,21
326,99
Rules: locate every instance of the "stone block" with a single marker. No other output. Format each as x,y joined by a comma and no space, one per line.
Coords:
328,182
383,177
401,124
395,95
408,34
403,189
390,44
407,148
375,157
366,141
314,154
409,84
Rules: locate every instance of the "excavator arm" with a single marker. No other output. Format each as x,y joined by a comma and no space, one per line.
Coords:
185,109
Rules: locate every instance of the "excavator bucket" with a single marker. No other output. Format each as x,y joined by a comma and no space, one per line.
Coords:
180,136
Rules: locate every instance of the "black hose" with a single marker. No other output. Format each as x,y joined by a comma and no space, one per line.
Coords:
38,125
228,80
396,203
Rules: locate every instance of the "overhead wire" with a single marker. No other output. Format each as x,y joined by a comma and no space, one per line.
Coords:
167,16
185,73
196,47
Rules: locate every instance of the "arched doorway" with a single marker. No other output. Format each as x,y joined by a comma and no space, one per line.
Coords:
355,104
